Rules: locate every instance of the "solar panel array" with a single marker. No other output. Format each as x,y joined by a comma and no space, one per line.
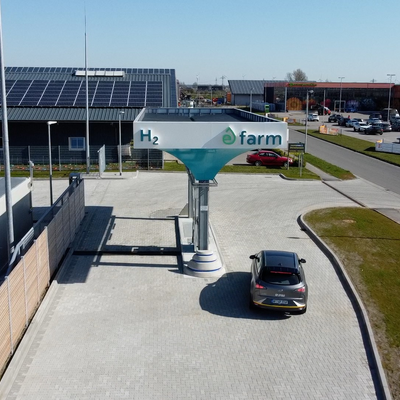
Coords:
73,69
72,93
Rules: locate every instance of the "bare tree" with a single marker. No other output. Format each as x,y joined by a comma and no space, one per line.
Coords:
297,75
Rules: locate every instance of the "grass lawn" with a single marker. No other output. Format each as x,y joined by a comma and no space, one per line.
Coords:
368,245
292,172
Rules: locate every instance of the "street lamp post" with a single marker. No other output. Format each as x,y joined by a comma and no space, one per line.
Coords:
308,93
340,97
390,92
120,147
49,123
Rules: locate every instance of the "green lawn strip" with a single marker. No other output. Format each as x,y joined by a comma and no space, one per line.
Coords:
358,145
330,169
368,244
293,172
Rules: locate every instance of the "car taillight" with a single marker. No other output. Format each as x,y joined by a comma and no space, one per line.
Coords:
258,286
301,290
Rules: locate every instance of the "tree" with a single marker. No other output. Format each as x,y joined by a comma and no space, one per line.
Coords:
297,75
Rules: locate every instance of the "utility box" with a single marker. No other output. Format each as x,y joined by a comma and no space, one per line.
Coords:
22,214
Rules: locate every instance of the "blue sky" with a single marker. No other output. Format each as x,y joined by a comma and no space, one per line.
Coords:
205,40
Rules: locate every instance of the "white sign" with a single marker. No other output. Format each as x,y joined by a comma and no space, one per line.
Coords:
210,135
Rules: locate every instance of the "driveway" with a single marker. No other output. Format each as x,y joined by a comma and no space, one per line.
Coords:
123,326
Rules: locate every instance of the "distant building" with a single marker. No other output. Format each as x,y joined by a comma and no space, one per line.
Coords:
36,95
354,96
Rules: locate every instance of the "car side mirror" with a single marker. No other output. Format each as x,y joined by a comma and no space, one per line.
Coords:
252,257
302,260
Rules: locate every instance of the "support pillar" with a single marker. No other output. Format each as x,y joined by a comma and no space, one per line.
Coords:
205,261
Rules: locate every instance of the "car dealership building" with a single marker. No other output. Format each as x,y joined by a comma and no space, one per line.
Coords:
284,95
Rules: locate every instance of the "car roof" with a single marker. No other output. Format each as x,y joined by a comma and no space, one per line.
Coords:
281,260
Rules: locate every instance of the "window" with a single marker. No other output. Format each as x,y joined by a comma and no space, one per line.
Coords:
76,143
279,278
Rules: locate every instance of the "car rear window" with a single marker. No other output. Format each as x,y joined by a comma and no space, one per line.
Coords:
278,277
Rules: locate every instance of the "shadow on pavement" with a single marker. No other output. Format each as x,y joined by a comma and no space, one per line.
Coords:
229,297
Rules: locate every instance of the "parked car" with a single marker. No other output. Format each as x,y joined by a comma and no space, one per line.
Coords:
350,123
313,117
375,115
396,126
374,130
267,157
278,282
386,127
360,126
372,121
343,121
333,117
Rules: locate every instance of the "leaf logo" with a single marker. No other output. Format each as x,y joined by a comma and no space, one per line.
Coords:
229,137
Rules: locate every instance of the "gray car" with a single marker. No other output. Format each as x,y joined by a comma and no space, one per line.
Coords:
278,282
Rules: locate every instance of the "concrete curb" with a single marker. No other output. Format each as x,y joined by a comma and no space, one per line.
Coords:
375,363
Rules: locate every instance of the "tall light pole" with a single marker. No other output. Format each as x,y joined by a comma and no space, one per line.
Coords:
390,92
308,93
87,103
251,99
6,149
49,123
340,97
197,88
120,147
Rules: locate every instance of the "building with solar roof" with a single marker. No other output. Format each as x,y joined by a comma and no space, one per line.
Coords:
36,95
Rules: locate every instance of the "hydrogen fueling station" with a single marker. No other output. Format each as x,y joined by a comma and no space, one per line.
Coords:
204,140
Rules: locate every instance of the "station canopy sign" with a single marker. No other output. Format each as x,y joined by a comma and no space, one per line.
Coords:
210,135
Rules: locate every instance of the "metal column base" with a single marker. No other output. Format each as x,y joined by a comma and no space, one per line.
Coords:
204,263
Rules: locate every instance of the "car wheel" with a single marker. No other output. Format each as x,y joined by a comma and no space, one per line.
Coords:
354,129
285,164
381,133
258,163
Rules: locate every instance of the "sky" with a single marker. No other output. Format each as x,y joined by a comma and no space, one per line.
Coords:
209,39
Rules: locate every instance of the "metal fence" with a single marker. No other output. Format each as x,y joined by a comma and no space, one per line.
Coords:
63,158
34,264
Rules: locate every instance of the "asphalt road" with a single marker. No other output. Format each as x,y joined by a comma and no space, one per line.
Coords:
373,170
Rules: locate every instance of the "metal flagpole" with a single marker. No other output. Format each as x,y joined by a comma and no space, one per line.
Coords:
87,104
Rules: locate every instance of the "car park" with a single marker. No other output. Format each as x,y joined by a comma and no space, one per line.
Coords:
359,126
268,158
278,282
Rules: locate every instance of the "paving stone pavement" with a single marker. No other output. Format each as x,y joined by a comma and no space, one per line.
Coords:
124,326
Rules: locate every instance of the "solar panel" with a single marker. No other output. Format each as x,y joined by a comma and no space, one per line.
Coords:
34,93
17,92
102,93
154,94
51,93
102,96
120,94
69,92
137,94
81,98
